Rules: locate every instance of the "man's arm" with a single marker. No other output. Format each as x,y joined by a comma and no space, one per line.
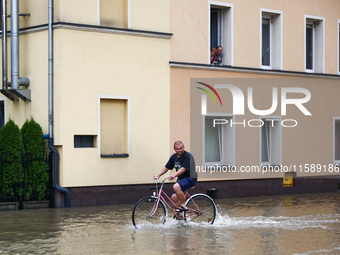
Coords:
178,173
163,171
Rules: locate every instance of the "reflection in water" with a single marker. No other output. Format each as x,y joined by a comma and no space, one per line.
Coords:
297,224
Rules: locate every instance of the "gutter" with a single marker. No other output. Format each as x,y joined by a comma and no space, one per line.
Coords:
50,110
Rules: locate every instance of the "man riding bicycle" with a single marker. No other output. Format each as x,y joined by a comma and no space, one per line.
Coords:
184,164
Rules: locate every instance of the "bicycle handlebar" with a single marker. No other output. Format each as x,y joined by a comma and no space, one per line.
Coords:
157,179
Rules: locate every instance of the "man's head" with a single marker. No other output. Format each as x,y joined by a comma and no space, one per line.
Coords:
179,148
219,50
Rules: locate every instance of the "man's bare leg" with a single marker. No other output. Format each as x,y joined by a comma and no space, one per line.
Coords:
176,200
179,196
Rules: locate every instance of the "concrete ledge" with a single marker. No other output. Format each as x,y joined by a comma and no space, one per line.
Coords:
9,206
36,204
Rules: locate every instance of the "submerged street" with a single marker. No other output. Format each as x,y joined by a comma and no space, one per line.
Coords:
294,224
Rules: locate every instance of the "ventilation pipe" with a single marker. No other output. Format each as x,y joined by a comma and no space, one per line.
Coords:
50,109
4,45
15,79
15,44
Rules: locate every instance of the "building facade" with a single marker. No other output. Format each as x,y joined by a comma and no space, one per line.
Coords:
280,69
125,78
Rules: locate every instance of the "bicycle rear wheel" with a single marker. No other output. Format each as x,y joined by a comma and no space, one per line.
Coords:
201,209
147,212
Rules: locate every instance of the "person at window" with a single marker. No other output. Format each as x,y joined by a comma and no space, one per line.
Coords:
212,55
219,55
184,164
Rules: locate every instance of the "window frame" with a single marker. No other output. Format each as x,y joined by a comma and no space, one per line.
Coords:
339,46
227,155
227,36
318,24
278,147
128,99
335,160
276,38
2,99
79,141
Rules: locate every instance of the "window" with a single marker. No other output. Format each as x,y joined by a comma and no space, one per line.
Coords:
84,141
215,27
2,113
114,127
271,141
314,44
266,42
271,39
336,140
219,141
221,30
114,13
309,46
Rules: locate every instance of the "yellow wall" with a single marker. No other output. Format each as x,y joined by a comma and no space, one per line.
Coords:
118,66
33,65
78,11
89,66
150,15
38,10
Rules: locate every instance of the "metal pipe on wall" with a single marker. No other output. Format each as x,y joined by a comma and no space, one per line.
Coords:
15,79
15,44
50,68
50,109
4,44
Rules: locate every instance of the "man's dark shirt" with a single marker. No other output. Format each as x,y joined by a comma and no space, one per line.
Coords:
187,161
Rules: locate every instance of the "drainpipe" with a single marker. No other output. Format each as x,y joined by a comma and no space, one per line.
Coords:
14,44
4,44
50,109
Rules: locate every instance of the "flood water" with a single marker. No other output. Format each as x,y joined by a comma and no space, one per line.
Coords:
295,224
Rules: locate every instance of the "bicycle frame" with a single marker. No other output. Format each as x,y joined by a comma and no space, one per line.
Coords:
160,194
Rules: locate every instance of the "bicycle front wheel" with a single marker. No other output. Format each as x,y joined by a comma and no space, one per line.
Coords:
201,209
147,212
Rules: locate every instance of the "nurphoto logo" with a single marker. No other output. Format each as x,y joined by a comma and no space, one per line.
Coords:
238,103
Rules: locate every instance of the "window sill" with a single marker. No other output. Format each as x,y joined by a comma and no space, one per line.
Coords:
123,155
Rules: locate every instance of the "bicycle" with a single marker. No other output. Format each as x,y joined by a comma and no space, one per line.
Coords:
153,209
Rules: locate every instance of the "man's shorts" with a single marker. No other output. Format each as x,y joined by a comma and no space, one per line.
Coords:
186,183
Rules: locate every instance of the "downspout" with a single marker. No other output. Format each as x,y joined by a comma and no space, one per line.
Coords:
14,44
50,109
4,44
